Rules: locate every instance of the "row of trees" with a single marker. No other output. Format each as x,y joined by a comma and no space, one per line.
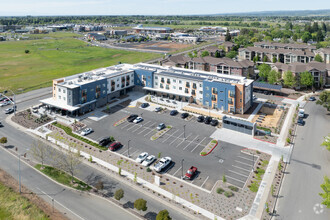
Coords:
288,79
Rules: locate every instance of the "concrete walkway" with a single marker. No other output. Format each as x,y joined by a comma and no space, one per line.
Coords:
250,118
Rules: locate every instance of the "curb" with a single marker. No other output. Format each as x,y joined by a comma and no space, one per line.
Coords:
264,140
210,150
115,124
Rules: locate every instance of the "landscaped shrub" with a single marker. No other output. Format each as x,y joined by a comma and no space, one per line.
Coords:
228,194
148,169
220,190
254,187
233,188
203,153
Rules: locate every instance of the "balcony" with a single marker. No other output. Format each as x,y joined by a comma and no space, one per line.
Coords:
213,98
162,80
194,86
127,83
214,91
230,101
186,91
168,81
232,94
193,92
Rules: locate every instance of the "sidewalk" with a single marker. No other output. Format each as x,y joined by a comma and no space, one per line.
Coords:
250,118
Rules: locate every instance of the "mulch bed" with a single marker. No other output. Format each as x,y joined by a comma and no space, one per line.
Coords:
27,120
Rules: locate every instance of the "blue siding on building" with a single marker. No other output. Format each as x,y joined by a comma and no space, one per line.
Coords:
223,90
138,76
91,90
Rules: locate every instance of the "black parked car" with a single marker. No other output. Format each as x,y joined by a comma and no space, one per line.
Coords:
214,122
1,125
184,115
144,105
131,118
300,121
200,118
104,141
207,120
174,112
312,98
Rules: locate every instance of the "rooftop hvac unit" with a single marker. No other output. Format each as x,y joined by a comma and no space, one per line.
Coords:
70,83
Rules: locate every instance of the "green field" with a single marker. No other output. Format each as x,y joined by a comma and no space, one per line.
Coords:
14,206
49,59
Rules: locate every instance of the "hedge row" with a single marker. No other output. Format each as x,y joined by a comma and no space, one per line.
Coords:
68,131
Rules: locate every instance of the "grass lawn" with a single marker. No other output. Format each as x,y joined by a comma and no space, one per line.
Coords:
14,206
63,177
60,56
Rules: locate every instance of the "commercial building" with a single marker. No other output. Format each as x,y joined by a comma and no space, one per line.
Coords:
151,30
96,36
84,92
324,53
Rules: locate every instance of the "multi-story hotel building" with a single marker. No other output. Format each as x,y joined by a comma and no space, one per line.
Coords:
84,92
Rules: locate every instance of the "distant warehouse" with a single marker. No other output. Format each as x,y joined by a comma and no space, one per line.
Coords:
151,30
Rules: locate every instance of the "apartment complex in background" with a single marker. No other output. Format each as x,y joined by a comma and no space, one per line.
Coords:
84,92
324,53
140,29
211,64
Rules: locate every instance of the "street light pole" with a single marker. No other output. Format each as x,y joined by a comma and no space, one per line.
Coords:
182,168
128,148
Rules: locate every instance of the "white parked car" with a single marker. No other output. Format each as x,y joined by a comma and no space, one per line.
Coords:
160,126
163,163
141,157
5,103
149,160
158,109
86,131
138,120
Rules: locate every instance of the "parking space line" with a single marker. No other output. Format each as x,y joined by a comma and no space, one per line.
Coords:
245,158
134,152
190,142
144,129
238,173
182,141
205,181
235,179
132,127
198,144
143,126
241,168
124,152
176,139
177,171
243,163
170,135
149,132
125,125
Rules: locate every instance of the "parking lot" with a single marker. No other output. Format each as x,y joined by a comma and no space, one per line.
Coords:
184,141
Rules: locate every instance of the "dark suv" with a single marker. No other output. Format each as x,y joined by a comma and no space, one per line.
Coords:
174,112
214,122
104,141
207,120
144,105
131,118
184,115
200,118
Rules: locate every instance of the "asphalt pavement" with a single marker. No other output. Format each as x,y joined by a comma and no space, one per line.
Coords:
299,197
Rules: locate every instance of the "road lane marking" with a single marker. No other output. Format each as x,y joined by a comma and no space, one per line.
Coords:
190,142
198,144
60,204
205,181
242,168
238,173
243,163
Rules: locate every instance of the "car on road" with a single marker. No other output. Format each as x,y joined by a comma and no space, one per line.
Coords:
173,112
191,173
4,103
214,122
200,118
162,164
9,110
312,98
138,120
161,126
184,115
300,122
149,160
104,141
144,105
115,146
86,131
141,157
158,109
207,120
131,118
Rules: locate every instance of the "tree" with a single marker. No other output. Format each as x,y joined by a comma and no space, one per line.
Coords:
39,151
274,59
306,37
265,59
228,36
141,205
163,215
3,140
289,79
318,58
224,179
217,54
319,36
205,53
27,51
264,70
326,195
272,77
326,142
295,37
324,100
232,54
256,58
324,27
306,79
119,194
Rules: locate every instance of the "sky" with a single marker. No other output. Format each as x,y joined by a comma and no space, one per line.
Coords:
151,7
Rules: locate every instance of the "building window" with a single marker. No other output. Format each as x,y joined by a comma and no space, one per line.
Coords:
180,88
214,90
63,90
168,81
59,97
240,100
156,84
161,86
193,92
194,86
207,95
64,98
162,80
207,88
59,90
174,87
230,101
180,81
186,90
213,98
200,85
156,77
174,80
201,92
167,87
187,84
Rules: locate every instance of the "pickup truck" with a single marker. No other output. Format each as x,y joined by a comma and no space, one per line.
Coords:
191,173
301,113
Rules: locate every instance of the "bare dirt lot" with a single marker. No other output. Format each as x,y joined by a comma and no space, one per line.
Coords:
160,46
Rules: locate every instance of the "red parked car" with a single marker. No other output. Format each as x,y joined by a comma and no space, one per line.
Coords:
191,173
114,146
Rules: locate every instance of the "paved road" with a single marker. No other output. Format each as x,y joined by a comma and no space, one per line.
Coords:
78,203
299,197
